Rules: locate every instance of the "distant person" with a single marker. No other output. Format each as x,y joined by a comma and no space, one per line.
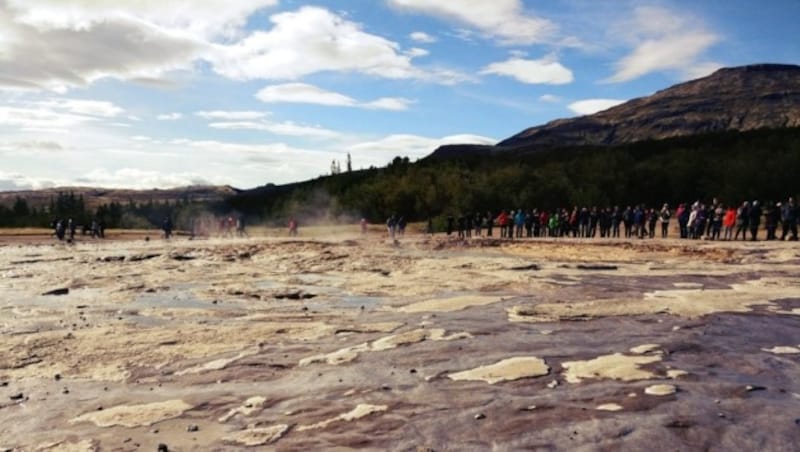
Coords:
240,229
489,220
789,216
71,226
754,215
401,226
391,226
652,219
729,223
742,220
716,222
663,217
292,227
363,224
450,225
166,226
772,215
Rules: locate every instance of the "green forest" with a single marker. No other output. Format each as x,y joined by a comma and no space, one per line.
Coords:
732,166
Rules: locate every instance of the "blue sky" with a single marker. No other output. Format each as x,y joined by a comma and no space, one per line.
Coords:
161,93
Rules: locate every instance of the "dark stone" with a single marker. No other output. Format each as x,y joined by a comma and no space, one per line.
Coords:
596,267
751,388
192,428
162,448
480,416
19,396
61,291
534,267
413,371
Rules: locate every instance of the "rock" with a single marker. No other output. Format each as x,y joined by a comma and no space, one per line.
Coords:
65,391
534,267
162,448
412,371
552,384
61,291
752,388
192,428
386,388
18,396
660,390
57,377
596,267
480,416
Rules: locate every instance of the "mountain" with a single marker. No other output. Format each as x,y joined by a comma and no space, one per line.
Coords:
739,98
94,197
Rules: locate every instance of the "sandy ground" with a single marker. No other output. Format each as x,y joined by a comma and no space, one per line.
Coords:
424,344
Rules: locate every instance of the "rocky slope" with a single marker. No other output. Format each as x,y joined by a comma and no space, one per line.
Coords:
739,98
94,196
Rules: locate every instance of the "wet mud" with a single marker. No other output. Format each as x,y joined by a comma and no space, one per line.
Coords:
423,344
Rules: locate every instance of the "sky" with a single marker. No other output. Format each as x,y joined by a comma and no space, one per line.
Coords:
165,93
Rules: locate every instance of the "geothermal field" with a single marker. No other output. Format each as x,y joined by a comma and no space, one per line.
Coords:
429,343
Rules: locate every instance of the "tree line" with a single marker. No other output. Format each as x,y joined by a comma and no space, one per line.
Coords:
732,166
127,215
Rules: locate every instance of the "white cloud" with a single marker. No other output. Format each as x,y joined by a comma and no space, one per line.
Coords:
312,40
16,181
662,40
550,98
422,37
32,145
141,138
592,106
41,118
141,179
416,52
506,20
60,58
84,107
303,93
231,115
287,128
382,151
60,44
389,103
542,71
700,70
170,116
309,94
206,18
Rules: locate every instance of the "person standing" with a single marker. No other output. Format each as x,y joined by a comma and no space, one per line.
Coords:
754,221
742,220
789,219
729,221
664,216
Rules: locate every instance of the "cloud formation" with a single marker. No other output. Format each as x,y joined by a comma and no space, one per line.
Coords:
312,40
506,20
304,93
542,71
662,40
592,106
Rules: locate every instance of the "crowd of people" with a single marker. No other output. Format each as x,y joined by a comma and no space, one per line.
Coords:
64,229
713,221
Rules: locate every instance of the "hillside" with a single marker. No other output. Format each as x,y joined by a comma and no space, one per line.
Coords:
94,197
740,98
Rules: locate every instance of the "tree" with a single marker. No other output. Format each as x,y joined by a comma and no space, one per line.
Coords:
349,164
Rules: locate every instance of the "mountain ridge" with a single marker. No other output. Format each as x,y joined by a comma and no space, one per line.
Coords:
739,98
